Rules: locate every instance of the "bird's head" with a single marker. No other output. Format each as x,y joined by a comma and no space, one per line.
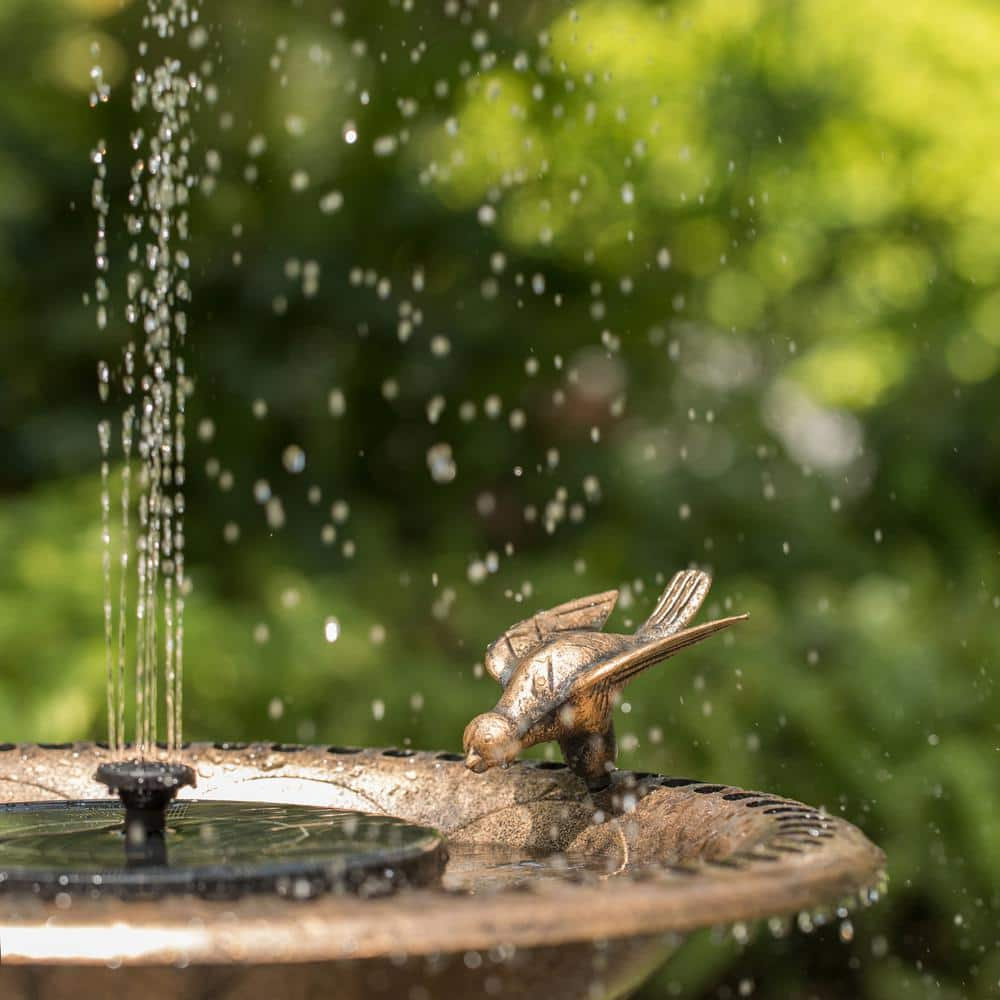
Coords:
490,740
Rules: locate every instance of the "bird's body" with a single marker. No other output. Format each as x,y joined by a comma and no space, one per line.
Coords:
561,676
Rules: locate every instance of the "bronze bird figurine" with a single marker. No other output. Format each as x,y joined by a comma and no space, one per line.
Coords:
561,676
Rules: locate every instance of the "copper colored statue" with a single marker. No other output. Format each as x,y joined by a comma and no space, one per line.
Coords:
561,676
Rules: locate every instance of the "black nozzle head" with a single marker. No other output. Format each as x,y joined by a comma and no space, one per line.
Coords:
146,789
143,784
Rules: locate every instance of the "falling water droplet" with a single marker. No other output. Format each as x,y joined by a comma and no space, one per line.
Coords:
275,512
336,403
103,380
294,459
331,202
441,463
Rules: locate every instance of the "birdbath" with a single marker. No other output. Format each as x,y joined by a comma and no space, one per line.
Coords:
547,887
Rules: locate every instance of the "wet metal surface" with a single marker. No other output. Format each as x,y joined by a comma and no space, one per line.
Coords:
561,676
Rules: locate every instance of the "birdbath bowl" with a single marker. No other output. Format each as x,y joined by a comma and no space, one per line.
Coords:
549,888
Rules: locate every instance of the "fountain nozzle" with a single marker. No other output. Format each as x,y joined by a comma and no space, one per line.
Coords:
146,789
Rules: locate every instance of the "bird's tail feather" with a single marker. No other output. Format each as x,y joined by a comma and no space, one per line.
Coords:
677,605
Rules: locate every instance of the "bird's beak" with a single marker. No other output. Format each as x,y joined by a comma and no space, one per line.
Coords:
475,762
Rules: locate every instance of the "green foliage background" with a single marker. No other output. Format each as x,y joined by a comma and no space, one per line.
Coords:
754,249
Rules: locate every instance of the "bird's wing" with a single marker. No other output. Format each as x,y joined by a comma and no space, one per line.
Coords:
616,670
677,605
585,613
